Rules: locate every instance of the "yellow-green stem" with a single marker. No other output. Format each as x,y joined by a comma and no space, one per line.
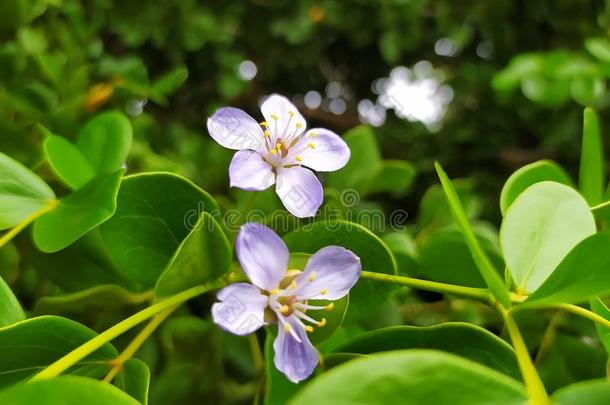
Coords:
100,340
585,313
535,389
137,342
600,206
257,355
480,294
8,236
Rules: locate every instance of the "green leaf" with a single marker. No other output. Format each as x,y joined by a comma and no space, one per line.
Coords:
582,274
105,141
599,47
412,377
134,379
171,81
519,181
462,339
278,389
393,176
10,309
29,346
68,163
404,250
592,165
155,213
434,211
374,255
66,390
205,254
78,213
600,308
365,160
489,273
445,256
22,193
594,392
100,298
539,229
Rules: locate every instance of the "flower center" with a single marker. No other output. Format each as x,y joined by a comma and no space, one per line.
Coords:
279,142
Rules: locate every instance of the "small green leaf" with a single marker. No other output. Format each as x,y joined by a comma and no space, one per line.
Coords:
593,392
489,273
155,212
68,163
373,254
66,390
539,229
22,193
601,309
134,379
29,346
599,47
412,377
592,165
542,170
105,141
404,250
434,212
462,339
10,309
78,213
205,254
393,176
582,274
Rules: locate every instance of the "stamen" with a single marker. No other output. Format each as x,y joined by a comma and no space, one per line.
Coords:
312,276
286,328
264,124
275,291
311,145
298,159
291,113
285,310
309,328
298,125
275,116
273,151
322,322
313,135
324,291
293,285
330,306
266,133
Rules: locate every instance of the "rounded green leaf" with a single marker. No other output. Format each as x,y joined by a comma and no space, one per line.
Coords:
393,176
595,392
582,274
68,163
105,141
542,170
134,379
205,254
29,346
374,255
539,229
22,193
403,247
78,213
412,377
463,339
10,309
66,390
155,213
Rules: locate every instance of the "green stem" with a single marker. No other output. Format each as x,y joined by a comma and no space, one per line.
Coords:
600,206
585,313
100,340
535,389
8,236
480,294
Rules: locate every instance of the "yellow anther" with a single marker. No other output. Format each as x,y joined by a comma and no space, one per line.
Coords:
274,116
274,291
324,291
285,309
313,135
311,145
312,276
309,328
286,328
298,159
264,124
322,322
273,151
298,125
291,113
266,133
330,306
293,285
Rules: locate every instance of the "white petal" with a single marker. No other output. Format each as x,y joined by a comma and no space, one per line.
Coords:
235,129
320,149
283,118
249,171
300,191
297,360
241,310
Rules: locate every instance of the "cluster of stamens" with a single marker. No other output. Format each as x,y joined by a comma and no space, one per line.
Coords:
285,302
283,141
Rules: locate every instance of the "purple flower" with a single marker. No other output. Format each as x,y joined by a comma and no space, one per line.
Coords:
279,295
277,151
